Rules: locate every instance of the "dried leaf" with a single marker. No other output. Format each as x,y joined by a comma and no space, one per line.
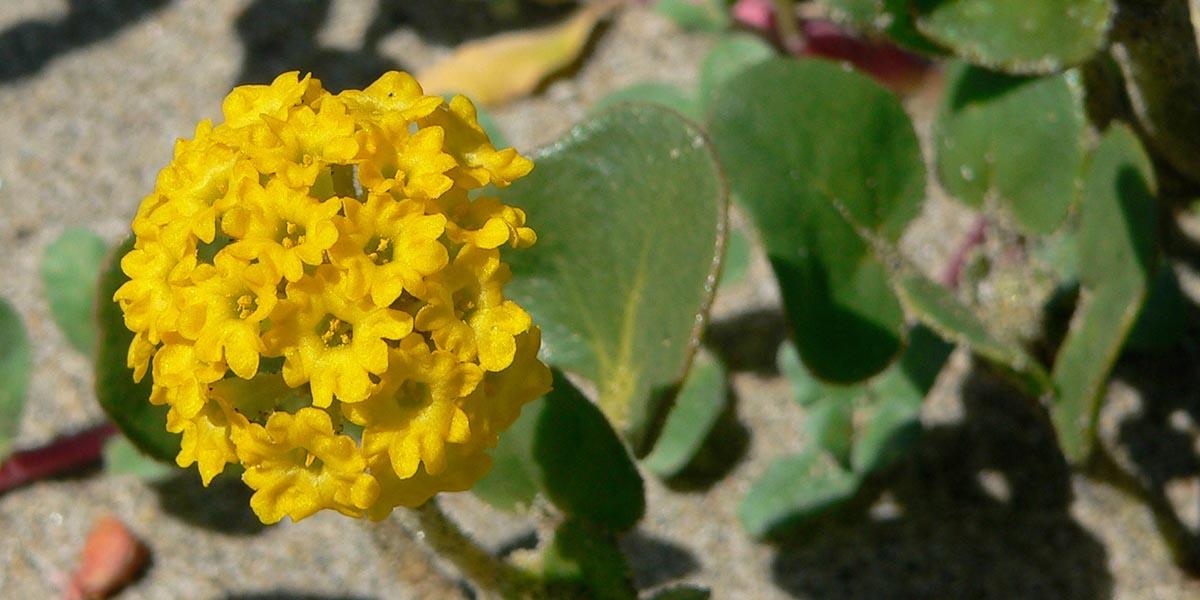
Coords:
503,67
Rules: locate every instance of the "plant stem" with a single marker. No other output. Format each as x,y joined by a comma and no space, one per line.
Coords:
952,275
62,455
491,576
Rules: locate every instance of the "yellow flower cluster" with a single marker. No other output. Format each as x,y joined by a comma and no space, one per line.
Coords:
318,294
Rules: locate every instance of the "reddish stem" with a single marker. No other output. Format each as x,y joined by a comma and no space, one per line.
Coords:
60,456
952,275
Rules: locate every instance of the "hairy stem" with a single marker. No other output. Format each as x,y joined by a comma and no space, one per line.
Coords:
491,576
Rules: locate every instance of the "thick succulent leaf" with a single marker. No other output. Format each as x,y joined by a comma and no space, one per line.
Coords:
515,479
683,592
695,15
850,162
806,390
937,308
890,17
794,490
121,457
652,92
830,422
736,263
126,402
891,422
16,364
1163,319
583,555
1026,37
1117,254
997,133
630,213
697,408
70,268
583,465
731,56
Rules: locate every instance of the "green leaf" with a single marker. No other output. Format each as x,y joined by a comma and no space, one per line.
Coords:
697,408
630,213
830,422
997,133
514,480
584,468
1116,256
732,55
806,390
652,92
70,268
695,15
126,402
892,423
1163,319
121,457
737,258
793,491
584,554
889,17
16,365
937,308
682,592
849,164
1031,36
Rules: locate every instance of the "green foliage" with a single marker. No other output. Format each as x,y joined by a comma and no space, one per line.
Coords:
16,362
695,15
853,431
584,468
697,408
682,592
70,268
585,556
997,133
1030,36
1116,257
630,213
848,166
729,57
937,308
121,457
514,480
736,263
126,402
1163,319
652,92
793,490
563,447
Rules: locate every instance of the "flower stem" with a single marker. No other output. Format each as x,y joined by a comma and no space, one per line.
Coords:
491,576
62,455
952,274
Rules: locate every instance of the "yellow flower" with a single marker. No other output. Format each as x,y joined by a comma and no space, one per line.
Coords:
225,311
278,268
388,246
468,314
282,227
415,412
331,340
297,465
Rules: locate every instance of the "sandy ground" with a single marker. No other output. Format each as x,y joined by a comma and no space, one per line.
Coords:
985,508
